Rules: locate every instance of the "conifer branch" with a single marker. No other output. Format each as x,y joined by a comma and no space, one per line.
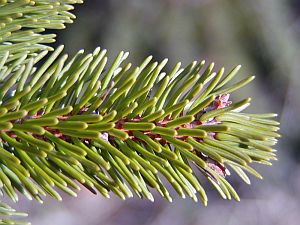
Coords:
116,129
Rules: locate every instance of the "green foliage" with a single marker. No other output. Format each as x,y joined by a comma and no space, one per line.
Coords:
113,128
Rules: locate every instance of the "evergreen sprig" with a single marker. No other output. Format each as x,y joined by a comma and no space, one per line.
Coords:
113,128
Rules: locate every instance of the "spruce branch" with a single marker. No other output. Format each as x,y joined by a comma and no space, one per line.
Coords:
23,24
7,211
117,129
104,125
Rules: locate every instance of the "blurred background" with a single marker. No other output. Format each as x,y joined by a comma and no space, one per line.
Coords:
263,36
